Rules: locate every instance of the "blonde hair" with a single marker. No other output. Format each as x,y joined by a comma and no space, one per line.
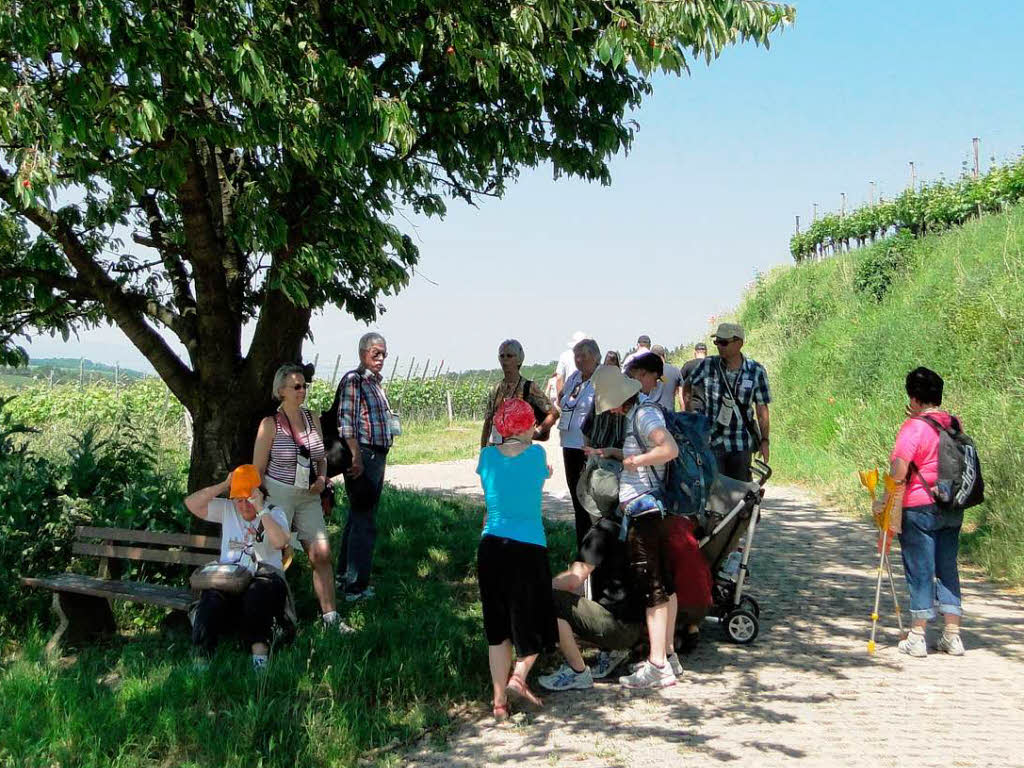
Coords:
282,375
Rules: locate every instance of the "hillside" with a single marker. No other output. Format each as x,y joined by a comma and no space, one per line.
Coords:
838,337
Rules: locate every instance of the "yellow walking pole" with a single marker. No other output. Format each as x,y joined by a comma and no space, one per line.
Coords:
895,601
870,481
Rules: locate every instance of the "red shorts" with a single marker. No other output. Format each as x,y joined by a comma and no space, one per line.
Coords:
690,572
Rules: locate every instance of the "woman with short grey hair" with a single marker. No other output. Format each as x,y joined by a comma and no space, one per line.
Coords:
576,404
510,357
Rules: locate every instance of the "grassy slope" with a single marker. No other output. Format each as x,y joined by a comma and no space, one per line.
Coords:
837,360
326,699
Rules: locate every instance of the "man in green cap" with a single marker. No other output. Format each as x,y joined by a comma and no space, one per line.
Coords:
736,398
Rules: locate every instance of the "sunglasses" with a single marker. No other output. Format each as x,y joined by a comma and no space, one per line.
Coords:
378,355
724,342
298,387
508,355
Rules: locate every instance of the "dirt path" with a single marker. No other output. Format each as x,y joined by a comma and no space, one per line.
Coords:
805,692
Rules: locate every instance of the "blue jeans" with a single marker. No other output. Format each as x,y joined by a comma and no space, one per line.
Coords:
355,556
929,544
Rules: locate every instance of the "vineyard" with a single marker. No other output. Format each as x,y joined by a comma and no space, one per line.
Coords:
931,208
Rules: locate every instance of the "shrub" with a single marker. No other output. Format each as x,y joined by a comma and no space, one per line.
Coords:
880,266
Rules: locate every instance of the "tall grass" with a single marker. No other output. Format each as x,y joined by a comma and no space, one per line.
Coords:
326,699
839,336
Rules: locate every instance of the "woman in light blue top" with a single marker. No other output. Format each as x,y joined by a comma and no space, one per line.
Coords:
512,559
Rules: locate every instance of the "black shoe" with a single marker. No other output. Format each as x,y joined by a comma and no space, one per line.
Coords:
688,642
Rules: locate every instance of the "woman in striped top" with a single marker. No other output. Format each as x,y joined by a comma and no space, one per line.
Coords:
289,453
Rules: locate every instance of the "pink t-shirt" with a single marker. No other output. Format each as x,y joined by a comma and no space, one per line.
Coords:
918,442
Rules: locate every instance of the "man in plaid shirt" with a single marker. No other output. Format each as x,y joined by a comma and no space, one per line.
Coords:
367,426
735,391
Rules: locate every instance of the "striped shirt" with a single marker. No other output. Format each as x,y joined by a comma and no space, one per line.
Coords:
284,451
749,382
364,408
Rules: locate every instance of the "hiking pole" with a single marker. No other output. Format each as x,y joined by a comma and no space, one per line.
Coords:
895,600
878,592
869,480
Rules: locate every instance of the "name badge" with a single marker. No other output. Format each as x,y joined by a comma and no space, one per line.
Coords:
302,472
725,412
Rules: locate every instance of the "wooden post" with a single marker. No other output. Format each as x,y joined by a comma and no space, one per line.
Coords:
412,362
394,368
437,373
872,193
448,402
976,142
798,224
426,369
913,177
316,359
842,205
117,374
334,376
814,216
81,372
51,378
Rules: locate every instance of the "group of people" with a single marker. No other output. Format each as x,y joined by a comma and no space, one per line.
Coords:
638,576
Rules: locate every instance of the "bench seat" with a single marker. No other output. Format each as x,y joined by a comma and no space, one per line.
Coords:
175,598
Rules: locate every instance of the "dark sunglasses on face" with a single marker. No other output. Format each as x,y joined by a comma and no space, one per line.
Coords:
298,387
378,355
724,342
508,355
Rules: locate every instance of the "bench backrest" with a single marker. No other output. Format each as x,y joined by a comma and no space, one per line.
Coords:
123,543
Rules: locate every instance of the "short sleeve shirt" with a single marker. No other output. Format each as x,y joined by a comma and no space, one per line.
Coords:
535,397
918,443
566,364
637,482
512,491
750,383
576,405
242,541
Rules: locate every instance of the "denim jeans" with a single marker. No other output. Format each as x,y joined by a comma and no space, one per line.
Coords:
929,544
355,556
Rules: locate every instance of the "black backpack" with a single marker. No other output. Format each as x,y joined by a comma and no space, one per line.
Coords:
336,450
960,485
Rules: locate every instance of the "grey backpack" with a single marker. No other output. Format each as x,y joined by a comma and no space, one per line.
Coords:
960,485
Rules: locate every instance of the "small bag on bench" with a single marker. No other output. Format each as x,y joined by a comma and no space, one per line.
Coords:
224,577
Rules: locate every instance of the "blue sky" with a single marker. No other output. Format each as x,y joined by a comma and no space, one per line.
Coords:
722,163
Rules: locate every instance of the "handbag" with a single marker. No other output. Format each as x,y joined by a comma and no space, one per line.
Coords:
232,578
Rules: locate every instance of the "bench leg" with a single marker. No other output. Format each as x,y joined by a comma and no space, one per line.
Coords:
82,618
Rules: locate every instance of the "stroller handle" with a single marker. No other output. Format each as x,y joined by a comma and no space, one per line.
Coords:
761,471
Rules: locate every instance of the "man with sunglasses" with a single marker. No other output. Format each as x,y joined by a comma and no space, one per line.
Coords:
368,427
735,391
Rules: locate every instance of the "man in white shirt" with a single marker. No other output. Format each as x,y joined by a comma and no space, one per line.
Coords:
253,535
566,364
671,381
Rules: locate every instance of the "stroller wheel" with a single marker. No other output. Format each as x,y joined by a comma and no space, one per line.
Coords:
751,605
741,626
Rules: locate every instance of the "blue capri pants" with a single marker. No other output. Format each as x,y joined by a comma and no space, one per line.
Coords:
929,544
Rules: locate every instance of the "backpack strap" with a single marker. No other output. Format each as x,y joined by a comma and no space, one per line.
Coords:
939,429
640,440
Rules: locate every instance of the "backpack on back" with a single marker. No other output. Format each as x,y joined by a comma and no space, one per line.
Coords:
687,485
336,450
960,485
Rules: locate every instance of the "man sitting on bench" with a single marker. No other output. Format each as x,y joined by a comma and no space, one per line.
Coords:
253,536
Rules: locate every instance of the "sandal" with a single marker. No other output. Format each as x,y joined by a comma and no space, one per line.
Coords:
520,692
500,712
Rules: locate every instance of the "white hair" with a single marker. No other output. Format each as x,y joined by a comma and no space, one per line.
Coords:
515,346
282,375
370,339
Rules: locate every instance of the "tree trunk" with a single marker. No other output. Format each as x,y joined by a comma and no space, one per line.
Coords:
223,434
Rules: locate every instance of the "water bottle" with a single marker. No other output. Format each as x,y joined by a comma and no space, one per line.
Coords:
731,567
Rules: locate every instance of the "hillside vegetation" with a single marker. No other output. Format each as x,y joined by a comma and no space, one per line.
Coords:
838,337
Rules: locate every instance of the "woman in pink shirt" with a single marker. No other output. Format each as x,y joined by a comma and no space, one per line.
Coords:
929,537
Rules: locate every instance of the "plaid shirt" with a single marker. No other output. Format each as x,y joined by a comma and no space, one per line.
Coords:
363,410
751,388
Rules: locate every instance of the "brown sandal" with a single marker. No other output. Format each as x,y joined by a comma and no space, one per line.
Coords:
520,692
500,712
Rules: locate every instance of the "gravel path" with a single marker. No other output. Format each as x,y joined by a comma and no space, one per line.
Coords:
805,692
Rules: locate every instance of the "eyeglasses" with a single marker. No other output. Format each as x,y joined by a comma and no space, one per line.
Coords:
508,355
378,354
724,342
298,387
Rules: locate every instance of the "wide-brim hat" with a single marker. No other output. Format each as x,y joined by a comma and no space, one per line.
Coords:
598,487
729,331
576,338
612,388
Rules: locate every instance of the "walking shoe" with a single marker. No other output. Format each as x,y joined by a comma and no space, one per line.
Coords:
914,645
649,676
673,662
606,662
366,594
566,678
333,620
259,662
951,644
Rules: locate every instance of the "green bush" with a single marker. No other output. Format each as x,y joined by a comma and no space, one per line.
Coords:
838,337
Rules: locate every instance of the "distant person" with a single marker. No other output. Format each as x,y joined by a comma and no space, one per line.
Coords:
695,400
647,448
512,557
576,404
566,365
253,535
671,381
612,357
929,535
368,426
643,344
513,385
289,455
735,390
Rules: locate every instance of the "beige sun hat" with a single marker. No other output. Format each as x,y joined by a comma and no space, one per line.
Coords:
598,488
729,331
612,388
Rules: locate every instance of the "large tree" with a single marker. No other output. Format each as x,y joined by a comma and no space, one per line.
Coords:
184,167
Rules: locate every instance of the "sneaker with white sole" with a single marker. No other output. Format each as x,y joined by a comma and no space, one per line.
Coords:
914,645
366,594
673,661
606,662
951,644
649,676
566,678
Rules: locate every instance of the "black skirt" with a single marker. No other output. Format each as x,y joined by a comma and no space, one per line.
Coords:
515,591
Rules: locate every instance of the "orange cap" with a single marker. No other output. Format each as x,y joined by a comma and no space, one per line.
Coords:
244,480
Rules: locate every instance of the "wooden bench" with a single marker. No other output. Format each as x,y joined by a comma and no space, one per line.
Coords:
82,603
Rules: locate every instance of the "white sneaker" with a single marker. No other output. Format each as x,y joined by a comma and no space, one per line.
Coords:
566,678
951,644
649,676
673,661
332,619
606,662
914,645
